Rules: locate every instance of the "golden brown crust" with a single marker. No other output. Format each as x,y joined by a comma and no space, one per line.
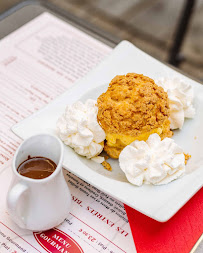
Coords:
113,152
133,104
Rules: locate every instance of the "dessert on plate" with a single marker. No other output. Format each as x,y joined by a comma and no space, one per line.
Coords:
132,122
132,108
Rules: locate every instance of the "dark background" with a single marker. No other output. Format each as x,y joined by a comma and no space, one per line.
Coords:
149,24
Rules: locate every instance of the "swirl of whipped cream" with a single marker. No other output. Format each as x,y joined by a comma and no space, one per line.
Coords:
152,162
180,96
79,129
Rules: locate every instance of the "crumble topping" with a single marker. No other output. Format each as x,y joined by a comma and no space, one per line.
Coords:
133,104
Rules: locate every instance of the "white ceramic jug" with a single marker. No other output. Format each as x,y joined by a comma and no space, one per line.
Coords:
39,204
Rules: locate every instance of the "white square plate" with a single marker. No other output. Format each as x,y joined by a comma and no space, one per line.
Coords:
157,202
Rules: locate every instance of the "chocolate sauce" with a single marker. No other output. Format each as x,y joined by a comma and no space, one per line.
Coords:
36,167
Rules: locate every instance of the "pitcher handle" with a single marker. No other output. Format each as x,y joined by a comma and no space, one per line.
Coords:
13,197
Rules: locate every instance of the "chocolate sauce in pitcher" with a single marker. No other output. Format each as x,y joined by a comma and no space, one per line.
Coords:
36,167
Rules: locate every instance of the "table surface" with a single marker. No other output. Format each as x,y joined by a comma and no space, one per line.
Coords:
26,11
144,23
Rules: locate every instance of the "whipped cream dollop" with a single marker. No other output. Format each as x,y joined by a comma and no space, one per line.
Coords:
79,129
155,161
180,96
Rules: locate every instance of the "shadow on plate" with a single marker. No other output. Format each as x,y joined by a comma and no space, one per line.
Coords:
116,173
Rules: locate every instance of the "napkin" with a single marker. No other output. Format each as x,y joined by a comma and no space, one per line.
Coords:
178,235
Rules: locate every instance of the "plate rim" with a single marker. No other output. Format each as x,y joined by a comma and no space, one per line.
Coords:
74,88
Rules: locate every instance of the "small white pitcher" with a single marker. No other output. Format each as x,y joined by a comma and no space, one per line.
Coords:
39,204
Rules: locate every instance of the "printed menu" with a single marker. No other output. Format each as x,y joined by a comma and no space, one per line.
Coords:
38,62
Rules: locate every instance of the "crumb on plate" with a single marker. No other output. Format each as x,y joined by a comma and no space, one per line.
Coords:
107,166
187,157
